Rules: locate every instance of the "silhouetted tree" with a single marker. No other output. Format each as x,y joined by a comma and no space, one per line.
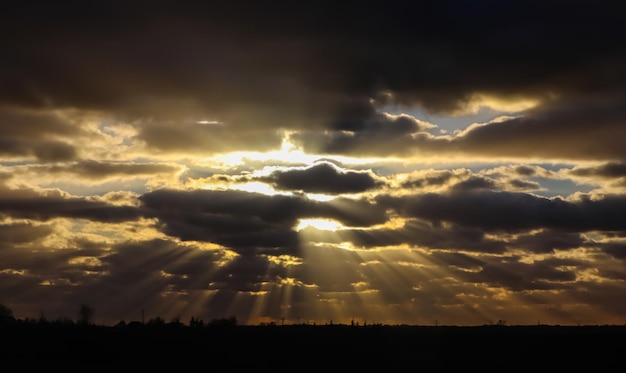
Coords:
85,314
231,321
175,322
63,320
42,318
157,321
196,323
6,314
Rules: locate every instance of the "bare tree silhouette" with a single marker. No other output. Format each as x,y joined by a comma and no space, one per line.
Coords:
85,314
6,314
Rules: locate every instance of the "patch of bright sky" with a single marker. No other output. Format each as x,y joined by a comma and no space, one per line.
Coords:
257,187
560,187
136,185
263,188
105,127
447,124
16,163
123,132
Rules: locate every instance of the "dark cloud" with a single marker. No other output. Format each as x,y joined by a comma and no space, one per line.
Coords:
28,204
525,170
608,170
55,152
247,273
360,212
323,177
237,233
88,248
17,233
456,259
324,66
414,234
380,134
31,124
474,183
97,170
509,211
254,207
565,128
521,185
435,178
34,133
615,249
246,220
548,241
518,276
569,130
231,60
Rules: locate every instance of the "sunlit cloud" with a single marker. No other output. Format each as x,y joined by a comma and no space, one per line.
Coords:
319,224
509,105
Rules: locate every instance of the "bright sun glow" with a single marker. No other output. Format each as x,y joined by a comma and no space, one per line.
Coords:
288,153
321,224
262,188
257,187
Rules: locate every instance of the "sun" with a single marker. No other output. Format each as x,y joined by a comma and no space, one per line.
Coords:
288,154
321,224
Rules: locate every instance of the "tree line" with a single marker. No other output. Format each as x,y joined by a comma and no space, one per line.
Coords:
85,317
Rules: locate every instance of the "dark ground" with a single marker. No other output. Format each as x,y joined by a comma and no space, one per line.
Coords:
311,348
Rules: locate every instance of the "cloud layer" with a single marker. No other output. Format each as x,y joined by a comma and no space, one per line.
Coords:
314,161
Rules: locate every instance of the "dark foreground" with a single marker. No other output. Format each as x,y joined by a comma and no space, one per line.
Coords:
313,348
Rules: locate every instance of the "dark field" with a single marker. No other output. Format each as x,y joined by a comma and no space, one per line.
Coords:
313,348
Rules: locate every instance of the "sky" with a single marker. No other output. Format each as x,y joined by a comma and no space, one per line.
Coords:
441,162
